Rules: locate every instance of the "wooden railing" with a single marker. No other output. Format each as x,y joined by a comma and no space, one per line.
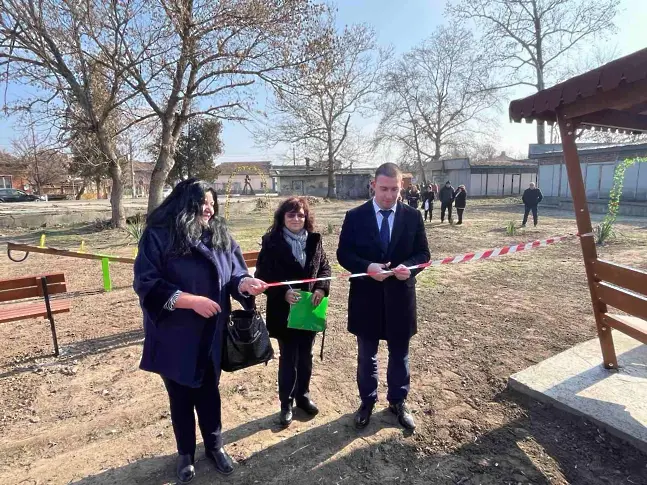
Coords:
624,289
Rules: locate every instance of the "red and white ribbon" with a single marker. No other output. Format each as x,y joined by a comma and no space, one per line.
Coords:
461,258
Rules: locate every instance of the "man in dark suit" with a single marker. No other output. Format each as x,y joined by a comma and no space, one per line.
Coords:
383,234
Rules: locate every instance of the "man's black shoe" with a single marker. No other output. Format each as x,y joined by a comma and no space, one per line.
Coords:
185,470
404,415
221,460
363,415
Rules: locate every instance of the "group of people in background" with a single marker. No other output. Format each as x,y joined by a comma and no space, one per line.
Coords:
457,198
447,195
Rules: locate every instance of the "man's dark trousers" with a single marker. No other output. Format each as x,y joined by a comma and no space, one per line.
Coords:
446,206
529,208
397,374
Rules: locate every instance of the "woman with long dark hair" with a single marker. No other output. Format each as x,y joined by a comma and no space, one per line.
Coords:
187,268
291,250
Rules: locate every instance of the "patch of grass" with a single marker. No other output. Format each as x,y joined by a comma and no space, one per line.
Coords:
331,228
604,232
511,228
136,227
427,279
336,268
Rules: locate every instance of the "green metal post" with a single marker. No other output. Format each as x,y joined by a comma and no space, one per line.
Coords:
105,269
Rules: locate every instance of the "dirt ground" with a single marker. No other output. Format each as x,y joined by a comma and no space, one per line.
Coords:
91,417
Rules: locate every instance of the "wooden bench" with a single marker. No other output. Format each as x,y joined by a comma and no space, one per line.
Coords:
250,260
37,286
624,289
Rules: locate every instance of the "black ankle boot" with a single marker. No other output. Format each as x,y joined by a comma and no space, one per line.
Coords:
306,404
185,470
286,414
221,460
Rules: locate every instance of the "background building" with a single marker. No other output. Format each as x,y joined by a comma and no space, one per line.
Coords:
598,164
496,177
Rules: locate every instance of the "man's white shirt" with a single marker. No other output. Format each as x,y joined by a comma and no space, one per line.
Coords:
379,216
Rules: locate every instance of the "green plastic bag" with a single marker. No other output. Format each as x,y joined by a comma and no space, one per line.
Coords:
304,316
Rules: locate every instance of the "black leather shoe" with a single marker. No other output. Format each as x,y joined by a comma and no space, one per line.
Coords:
308,406
222,461
363,416
404,415
286,415
185,470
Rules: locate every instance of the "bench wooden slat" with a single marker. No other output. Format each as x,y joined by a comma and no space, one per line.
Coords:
33,310
31,292
251,257
27,281
632,326
623,300
623,276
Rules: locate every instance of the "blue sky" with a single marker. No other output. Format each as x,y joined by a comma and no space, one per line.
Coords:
403,24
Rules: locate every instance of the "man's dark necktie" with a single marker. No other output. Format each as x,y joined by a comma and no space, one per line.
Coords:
385,234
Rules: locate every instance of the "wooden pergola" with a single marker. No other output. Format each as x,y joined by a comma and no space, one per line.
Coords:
612,97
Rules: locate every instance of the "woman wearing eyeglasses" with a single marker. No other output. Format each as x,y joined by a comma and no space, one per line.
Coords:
291,250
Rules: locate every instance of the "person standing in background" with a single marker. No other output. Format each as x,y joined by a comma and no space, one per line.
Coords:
428,202
460,200
414,197
531,198
446,196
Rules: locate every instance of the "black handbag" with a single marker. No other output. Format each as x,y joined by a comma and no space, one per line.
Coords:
247,341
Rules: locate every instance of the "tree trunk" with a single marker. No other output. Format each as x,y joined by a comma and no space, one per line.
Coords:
116,197
98,182
541,126
436,149
161,170
81,192
420,165
541,133
332,192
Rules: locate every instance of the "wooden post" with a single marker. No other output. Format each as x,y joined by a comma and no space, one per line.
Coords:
589,253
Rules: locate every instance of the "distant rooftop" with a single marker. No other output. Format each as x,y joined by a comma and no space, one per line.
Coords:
227,168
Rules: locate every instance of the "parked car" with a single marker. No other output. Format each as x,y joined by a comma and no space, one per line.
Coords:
15,195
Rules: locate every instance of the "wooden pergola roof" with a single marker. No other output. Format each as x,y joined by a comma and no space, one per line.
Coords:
613,96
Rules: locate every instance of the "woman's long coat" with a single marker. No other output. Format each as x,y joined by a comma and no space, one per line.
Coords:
277,263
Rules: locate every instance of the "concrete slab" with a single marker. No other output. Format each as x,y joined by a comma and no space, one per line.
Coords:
576,382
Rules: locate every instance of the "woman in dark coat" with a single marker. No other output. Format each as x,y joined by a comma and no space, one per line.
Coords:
186,269
460,201
428,202
292,251
414,197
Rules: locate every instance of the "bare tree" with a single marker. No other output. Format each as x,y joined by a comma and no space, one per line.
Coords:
205,54
530,37
317,107
38,155
158,57
51,45
400,123
437,96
